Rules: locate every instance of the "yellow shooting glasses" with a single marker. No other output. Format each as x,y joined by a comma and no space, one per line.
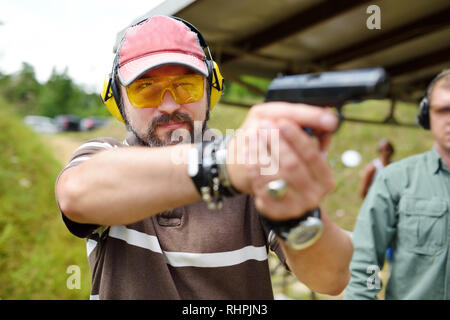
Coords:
149,92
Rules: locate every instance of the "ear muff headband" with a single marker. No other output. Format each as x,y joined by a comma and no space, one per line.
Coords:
423,117
110,94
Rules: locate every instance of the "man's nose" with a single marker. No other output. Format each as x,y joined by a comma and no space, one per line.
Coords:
168,103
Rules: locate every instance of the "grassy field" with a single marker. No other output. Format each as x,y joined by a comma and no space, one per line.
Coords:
36,249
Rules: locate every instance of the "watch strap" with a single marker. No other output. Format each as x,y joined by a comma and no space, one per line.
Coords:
281,228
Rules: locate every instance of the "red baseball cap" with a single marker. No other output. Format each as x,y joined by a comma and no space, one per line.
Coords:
158,41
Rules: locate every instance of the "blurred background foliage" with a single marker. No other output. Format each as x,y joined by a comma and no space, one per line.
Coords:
35,250
58,95
35,247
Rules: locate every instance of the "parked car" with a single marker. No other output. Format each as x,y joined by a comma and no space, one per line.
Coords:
68,122
41,124
91,123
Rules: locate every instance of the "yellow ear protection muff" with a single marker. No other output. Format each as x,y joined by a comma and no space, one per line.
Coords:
216,85
109,98
423,117
111,95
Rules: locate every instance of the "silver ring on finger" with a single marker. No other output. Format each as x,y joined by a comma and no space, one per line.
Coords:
277,188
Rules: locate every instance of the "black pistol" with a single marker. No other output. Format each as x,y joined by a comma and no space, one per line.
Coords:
332,89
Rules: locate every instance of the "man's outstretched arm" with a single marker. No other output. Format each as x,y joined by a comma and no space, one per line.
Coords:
125,185
324,266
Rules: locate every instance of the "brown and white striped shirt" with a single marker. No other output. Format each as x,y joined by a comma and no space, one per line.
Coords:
186,253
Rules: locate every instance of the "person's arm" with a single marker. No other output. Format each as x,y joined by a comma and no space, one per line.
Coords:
125,185
323,267
367,180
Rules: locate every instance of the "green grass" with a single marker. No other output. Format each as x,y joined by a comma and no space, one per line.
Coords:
224,117
35,247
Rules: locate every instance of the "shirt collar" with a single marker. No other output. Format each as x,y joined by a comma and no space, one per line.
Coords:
435,162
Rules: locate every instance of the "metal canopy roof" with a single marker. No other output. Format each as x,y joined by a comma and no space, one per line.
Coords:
270,37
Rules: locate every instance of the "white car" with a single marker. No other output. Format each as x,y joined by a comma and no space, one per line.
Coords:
41,124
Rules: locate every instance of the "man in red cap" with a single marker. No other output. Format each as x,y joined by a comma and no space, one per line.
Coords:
149,234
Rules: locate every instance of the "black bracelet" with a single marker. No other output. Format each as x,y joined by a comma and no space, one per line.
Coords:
203,170
211,192
207,169
195,168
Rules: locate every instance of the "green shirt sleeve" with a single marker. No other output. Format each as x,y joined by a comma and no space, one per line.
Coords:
374,231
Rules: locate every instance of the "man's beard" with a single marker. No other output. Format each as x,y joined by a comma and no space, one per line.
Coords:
170,137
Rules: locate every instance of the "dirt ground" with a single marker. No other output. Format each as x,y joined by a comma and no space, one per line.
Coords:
64,144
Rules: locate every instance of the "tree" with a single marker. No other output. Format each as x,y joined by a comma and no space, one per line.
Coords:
22,88
59,95
56,94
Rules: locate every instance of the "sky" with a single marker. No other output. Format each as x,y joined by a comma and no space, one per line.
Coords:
77,34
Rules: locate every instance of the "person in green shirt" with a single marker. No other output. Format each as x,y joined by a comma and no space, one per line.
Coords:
408,207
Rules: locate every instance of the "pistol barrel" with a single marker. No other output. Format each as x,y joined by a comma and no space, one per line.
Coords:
330,88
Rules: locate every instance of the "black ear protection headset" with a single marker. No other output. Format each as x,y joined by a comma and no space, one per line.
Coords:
111,93
423,117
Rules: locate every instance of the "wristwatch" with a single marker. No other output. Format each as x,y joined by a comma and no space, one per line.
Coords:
298,233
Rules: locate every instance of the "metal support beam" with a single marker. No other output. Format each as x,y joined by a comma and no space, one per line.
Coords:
246,85
388,39
421,62
237,104
389,120
397,124
298,22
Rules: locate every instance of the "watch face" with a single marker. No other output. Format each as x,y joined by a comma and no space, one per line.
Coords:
305,234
